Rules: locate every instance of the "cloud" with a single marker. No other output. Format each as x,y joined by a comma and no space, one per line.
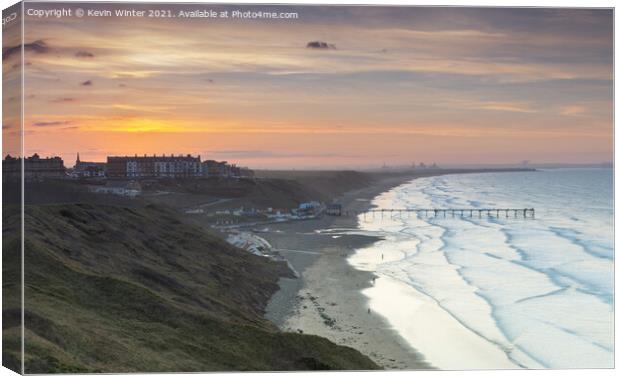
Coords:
84,54
51,123
131,107
136,73
37,46
64,100
573,110
494,106
510,107
259,154
320,45
19,65
87,83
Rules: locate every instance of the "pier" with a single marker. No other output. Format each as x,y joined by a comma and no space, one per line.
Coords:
527,213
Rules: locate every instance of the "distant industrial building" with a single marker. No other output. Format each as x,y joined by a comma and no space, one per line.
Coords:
182,166
35,168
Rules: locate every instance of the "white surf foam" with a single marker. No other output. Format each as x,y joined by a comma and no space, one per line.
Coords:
497,292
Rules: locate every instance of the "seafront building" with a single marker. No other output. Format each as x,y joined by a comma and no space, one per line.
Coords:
84,169
35,168
122,167
222,169
309,208
182,166
119,187
216,169
333,209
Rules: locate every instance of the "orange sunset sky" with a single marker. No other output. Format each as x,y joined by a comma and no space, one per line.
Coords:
394,85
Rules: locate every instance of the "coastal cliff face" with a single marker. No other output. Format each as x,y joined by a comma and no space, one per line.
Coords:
117,289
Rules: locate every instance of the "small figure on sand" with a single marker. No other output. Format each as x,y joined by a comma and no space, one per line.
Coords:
368,310
373,280
382,257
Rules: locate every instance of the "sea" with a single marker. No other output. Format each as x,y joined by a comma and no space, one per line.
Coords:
496,292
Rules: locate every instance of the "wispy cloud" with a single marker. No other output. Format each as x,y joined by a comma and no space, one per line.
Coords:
51,123
64,100
573,110
84,54
262,154
318,45
38,46
500,106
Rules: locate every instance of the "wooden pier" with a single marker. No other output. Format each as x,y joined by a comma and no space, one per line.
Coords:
528,213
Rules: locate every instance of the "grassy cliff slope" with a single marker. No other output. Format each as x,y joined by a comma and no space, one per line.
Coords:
117,289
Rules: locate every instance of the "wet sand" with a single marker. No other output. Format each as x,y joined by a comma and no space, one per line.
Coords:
326,300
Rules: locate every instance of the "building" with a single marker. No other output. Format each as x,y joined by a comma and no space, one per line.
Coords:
182,166
246,173
35,168
215,169
311,208
11,168
334,209
88,169
119,188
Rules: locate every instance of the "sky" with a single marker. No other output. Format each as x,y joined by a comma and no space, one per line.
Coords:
386,85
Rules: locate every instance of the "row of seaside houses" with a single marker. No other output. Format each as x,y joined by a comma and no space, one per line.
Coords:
126,167
173,166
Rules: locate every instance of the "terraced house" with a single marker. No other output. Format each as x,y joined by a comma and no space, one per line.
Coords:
181,166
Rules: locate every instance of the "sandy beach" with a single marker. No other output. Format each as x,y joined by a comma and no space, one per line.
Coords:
331,297
326,300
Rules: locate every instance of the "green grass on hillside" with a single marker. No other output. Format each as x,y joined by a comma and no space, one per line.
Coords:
115,289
